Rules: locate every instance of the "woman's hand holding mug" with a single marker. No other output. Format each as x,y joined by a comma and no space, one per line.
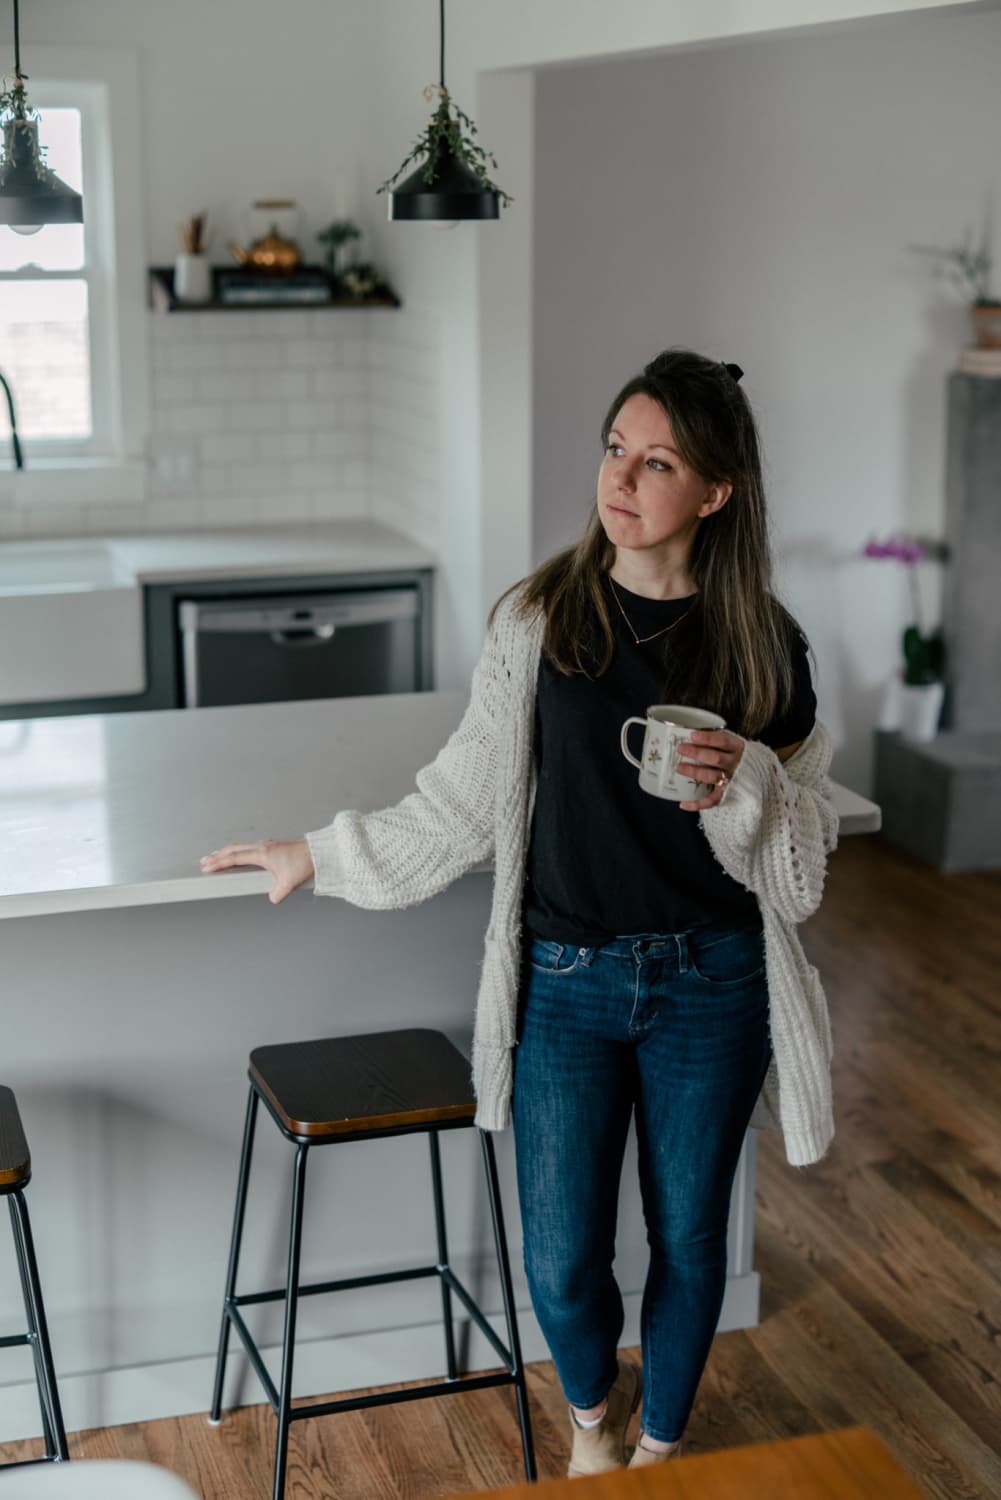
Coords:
288,860
710,755
682,749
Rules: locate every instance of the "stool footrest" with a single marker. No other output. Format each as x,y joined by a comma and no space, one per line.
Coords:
29,1463
15,1338
232,1307
348,1284
392,1398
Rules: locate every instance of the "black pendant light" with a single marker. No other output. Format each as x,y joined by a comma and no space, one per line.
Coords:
30,192
452,183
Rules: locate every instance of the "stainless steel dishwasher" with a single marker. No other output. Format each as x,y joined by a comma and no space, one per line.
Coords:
275,648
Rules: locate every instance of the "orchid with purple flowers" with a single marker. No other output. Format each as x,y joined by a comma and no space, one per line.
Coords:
924,653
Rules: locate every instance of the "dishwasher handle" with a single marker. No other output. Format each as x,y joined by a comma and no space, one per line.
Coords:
308,635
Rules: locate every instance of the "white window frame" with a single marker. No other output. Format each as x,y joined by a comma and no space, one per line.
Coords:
103,83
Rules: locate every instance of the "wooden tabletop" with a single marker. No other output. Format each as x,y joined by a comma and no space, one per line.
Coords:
848,1465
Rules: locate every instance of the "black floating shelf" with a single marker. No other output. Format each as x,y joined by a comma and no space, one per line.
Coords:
161,288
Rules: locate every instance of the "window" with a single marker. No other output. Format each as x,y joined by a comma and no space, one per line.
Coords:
44,320
72,296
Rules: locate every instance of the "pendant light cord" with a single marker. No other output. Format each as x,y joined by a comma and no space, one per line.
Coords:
17,42
441,44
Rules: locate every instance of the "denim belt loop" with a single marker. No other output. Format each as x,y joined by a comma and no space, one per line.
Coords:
684,962
586,955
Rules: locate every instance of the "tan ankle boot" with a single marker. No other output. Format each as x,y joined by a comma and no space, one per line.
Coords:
596,1449
641,1456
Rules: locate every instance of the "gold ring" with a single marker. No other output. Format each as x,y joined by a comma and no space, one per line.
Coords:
723,779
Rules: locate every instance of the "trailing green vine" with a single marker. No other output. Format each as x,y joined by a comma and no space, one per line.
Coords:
444,131
15,99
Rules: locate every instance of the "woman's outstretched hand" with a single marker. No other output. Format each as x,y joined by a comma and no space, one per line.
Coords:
706,755
288,860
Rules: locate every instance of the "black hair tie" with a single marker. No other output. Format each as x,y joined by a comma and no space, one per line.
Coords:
733,370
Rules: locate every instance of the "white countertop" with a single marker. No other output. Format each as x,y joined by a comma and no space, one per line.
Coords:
115,810
346,546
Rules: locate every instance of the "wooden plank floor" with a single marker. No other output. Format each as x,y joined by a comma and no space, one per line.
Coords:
881,1267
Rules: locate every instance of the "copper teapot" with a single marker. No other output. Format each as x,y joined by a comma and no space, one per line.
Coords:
270,253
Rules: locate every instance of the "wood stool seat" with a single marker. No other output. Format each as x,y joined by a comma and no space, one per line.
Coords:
355,1088
387,1080
15,1158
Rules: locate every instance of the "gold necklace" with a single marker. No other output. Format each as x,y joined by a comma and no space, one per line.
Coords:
642,640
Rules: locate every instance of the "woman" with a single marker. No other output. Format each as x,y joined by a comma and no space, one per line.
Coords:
639,959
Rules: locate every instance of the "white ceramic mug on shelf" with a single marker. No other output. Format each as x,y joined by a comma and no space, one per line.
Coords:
666,726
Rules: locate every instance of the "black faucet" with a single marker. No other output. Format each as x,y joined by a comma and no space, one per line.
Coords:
18,456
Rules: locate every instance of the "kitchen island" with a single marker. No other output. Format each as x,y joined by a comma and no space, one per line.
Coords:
135,988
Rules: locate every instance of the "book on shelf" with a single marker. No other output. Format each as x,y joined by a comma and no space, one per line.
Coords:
238,287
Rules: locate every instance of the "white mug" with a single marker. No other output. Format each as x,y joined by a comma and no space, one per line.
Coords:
667,725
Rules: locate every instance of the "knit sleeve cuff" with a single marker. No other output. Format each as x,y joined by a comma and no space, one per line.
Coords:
744,798
493,1081
330,878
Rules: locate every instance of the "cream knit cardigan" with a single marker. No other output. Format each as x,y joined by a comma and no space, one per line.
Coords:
772,832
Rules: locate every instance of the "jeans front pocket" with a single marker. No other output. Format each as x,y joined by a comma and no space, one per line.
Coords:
727,956
553,958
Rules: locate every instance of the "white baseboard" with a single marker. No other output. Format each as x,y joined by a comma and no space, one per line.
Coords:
107,1398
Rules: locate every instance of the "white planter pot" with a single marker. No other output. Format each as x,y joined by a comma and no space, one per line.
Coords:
920,710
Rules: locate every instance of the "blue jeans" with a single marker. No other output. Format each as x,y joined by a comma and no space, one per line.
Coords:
675,1027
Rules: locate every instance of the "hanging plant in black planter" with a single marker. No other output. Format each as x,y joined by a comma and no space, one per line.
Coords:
453,181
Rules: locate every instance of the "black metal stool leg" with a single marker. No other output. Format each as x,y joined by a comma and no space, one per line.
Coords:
291,1302
32,1334
48,1393
234,1253
507,1290
439,1224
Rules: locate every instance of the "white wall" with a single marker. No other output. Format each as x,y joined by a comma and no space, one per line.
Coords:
756,202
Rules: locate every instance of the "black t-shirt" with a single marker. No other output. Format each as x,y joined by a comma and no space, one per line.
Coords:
605,858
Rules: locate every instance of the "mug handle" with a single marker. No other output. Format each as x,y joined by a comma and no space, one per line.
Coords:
624,742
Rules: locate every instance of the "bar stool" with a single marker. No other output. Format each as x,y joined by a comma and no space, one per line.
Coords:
357,1088
15,1174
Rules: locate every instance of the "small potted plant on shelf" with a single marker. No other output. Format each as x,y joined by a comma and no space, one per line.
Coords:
336,237
921,682
358,280
967,268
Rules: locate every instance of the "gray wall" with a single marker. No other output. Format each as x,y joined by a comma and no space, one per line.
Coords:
756,201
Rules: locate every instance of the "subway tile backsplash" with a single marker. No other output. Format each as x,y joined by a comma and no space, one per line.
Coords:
242,420
260,417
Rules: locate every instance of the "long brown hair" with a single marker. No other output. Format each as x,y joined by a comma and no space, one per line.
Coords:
738,635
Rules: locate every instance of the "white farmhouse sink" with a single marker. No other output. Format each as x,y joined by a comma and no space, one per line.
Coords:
26,567
70,622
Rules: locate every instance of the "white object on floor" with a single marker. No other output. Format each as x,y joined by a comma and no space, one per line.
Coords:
97,1479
